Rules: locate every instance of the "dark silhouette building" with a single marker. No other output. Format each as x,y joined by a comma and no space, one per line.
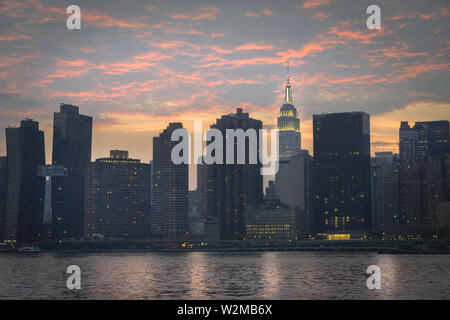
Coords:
422,185
342,173
72,141
425,139
231,187
169,217
117,197
3,192
383,169
407,141
422,179
432,138
25,196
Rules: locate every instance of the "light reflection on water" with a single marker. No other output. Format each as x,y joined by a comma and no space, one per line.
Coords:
209,275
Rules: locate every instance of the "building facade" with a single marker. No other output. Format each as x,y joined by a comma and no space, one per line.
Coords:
342,173
433,138
169,218
382,167
425,139
72,143
271,221
117,197
26,190
231,187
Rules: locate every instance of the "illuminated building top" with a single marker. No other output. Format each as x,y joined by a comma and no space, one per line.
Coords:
289,124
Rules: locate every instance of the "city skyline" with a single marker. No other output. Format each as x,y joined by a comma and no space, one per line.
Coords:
136,68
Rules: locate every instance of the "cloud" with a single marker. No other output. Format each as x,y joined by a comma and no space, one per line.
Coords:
253,47
315,3
204,13
262,12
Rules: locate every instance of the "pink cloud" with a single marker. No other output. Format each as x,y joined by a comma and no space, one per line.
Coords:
315,3
253,47
205,13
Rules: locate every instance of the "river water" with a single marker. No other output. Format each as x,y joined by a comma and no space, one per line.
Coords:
210,275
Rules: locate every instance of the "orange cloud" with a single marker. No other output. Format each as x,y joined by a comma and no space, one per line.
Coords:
315,3
205,13
252,15
253,46
321,15
267,12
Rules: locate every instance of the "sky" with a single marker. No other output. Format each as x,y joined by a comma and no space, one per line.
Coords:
135,66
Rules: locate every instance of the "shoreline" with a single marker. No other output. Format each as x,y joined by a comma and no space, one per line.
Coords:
237,250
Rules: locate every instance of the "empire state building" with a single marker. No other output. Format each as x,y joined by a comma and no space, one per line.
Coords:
288,125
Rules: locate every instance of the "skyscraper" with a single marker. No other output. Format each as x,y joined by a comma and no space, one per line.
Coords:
293,185
383,168
3,192
25,197
424,149
292,181
288,125
342,173
425,139
231,187
72,141
169,217
117,197
433,138
408,140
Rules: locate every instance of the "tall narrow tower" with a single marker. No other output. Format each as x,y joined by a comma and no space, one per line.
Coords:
289,125
169,216
25,195
72,142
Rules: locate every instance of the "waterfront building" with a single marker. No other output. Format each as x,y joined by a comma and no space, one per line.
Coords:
25,195
169,218
342,173
232,187
72,142
117,197
382,169
271,221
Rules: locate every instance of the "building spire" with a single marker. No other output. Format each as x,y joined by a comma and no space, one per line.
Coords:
288,90
288,75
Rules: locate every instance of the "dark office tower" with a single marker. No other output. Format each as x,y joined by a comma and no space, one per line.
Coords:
408,141
433,138
3,192
72,140
169,218
25,198
383,169
117,197
342,173
231,187
288,125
